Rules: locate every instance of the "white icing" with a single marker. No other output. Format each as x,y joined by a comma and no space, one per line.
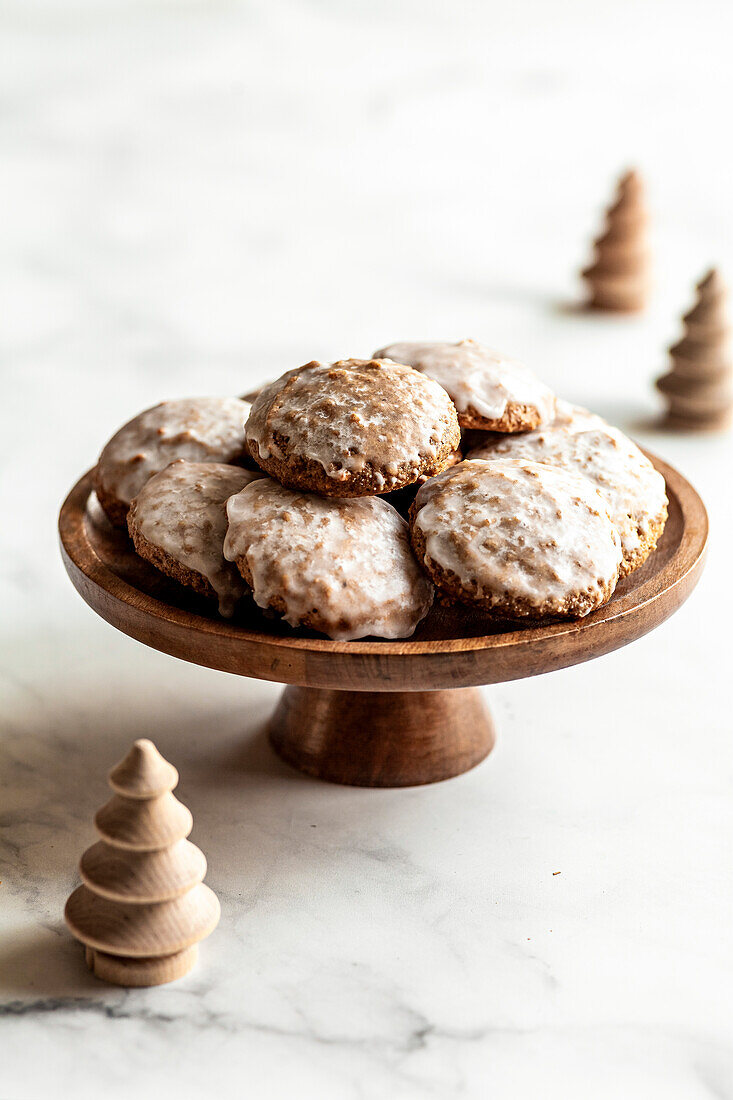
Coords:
182,510
347,560
574,417
476,377
199,429
520,531
347,414
580,441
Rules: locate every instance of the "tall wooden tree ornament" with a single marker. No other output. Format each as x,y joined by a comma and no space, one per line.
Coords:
698,386
143,907
619,277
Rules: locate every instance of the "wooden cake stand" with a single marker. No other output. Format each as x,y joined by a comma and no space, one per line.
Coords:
376,713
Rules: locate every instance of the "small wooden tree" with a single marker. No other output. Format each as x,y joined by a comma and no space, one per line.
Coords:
618,279
143,907
698,386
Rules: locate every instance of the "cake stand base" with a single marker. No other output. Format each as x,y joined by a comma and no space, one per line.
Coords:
370,737
381,739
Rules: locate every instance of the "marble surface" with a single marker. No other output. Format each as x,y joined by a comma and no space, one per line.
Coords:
196,197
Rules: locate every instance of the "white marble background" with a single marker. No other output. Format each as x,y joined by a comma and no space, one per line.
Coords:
196,196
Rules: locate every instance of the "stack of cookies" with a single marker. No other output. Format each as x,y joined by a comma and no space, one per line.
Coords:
340,499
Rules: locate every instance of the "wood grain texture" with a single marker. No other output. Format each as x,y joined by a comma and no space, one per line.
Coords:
142,876
143,825
381,739
142,895
137,930
143,773
349,717
450,649
140,972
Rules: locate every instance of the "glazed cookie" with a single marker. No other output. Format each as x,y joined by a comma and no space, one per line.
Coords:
199,429
352,428
401,499
574,417
518,539
490,392
634,491
178,523
342,567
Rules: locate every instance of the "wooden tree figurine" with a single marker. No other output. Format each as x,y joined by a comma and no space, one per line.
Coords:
143,907
699,385
618,279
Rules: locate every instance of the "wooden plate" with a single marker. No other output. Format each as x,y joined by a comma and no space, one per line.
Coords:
451,648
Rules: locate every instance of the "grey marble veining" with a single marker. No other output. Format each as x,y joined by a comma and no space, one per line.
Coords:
195,198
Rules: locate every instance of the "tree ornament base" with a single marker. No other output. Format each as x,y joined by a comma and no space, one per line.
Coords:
139,973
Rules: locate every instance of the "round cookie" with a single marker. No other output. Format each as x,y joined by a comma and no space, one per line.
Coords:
199,429
518,539
577,440
401,499
178,521
574,417
490,392
343,567
352,428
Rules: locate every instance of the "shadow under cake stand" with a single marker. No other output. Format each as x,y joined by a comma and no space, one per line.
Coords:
376,713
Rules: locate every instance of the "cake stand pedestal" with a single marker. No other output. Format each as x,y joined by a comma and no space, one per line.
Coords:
381,739
376,713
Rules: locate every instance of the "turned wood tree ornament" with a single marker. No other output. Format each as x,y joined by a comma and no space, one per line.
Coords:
698,387
143,907
618,279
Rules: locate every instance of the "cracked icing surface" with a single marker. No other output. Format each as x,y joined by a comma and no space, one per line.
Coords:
182,511
401,949
198,429
476,377
581,441
352,416
519,537
343,567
